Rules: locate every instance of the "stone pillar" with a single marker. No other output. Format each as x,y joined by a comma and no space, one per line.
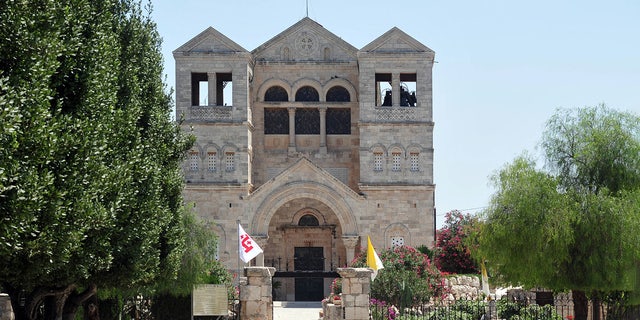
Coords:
262,242
356,286
323,128
395,89
211,93
350,243
6,311
256,302
292,129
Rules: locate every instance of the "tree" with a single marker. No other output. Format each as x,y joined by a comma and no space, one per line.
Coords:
453,252
90,179
574,224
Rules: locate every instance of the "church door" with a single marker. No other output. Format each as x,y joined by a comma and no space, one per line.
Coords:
308,259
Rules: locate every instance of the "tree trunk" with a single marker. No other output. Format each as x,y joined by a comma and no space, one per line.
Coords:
49,303
596,308
580,305
90,306
76,300
631,313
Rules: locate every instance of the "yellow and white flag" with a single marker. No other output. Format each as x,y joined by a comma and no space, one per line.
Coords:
373,261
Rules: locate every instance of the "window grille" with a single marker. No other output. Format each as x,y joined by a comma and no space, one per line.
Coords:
338,121
338,94
397,242
194,159
230,164
211,161
276,121
307,121
413,158
276,93
307,93
395,161
377,161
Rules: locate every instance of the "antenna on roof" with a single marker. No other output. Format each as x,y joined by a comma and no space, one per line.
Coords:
307,8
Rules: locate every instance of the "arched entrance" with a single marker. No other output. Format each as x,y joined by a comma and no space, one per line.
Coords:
305,247
305,225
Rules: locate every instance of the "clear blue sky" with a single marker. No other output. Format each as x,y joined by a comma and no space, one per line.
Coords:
503,67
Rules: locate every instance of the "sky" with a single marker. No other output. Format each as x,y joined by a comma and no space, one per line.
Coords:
503,67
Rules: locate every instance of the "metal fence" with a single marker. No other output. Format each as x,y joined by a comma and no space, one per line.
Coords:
504,309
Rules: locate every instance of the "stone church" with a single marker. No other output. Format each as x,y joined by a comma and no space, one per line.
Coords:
311,145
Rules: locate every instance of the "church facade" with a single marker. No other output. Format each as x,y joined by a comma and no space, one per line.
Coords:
311,145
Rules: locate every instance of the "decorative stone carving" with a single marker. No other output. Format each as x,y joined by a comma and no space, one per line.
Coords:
306,43
395,114
211,113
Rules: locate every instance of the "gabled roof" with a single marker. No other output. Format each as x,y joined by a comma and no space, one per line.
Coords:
210,41
304,170
307,24
395,41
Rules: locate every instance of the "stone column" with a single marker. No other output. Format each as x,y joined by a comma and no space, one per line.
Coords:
211,93
6,311
262,242
350,243
323,128
395,89
256,301
292,129
356,286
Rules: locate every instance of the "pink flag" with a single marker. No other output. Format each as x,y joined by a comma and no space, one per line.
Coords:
248,248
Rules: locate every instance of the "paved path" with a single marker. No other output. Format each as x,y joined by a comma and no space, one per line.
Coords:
287,310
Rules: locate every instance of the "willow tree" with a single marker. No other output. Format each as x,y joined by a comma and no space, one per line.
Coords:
90,179
573,224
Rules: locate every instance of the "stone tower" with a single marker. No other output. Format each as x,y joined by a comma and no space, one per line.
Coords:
311,144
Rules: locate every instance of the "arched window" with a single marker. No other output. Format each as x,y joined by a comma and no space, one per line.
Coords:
338,94
308,220
396,160
307,93
378,158
276,93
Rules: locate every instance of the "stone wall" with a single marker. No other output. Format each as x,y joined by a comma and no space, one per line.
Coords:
464,287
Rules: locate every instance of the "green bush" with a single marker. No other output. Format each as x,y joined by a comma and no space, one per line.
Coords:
535,311
475,308
449,314
509,310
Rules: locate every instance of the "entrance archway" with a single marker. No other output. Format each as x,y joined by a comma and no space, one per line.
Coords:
305,224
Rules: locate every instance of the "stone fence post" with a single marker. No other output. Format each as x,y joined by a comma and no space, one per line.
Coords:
356,286
6,312
256,301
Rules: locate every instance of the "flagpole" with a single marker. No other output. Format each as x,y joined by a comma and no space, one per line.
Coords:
238,243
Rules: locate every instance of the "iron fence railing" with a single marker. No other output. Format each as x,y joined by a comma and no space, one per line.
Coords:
303,264
504,309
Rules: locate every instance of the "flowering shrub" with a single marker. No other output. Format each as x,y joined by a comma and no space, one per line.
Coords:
381,311
453,254
408,277
336,286
460,310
